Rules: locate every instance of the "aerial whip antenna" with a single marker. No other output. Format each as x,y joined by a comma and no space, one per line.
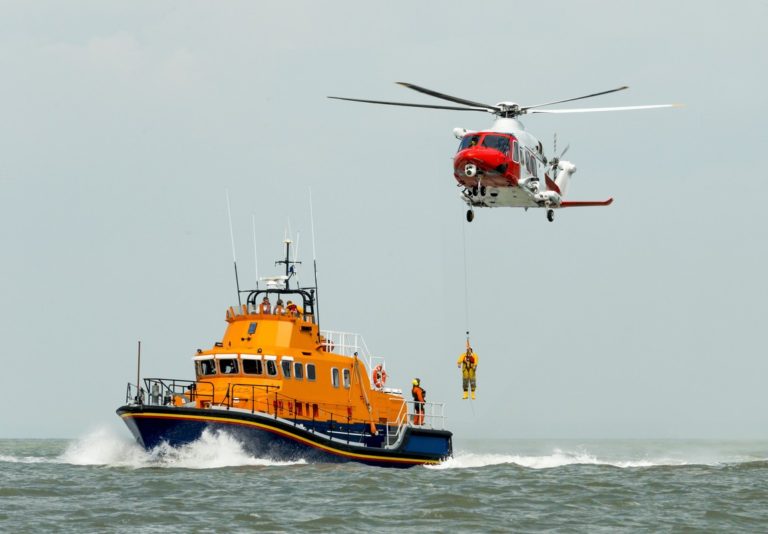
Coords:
296,257
255,256
314,259
232,237
139,399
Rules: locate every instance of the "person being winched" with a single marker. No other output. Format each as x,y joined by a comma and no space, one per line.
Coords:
468,363
419,397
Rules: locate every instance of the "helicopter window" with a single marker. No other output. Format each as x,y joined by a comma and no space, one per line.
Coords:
496,142
253,367
468,142
298,371
311,371
335,377
286,365
228,366
515,152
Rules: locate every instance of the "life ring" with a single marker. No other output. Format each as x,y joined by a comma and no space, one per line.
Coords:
379,376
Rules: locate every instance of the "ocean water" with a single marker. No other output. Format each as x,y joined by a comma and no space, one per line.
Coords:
103,482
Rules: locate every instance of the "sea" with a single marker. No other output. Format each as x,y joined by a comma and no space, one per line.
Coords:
104,482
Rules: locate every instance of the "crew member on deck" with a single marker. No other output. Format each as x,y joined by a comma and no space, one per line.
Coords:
279,310
292,308
468,363
265,306
419,397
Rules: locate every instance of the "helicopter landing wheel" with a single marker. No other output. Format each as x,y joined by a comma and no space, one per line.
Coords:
474,190
482,190
550,215
470,215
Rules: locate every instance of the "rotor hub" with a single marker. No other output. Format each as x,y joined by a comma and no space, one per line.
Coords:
508,109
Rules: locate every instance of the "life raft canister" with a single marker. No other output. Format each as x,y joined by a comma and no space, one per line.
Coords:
379,376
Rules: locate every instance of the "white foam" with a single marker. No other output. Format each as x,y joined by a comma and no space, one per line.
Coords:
213,450
26,459
558,458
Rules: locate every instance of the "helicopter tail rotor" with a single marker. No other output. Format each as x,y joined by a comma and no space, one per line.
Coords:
556,158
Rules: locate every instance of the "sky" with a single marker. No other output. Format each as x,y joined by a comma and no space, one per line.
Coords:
124,123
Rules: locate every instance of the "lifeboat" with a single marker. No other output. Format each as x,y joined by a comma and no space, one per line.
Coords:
287,390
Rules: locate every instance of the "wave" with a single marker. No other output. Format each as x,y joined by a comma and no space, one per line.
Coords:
558,458
211,451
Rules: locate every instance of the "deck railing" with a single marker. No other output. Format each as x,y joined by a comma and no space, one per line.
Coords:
267,400
349,344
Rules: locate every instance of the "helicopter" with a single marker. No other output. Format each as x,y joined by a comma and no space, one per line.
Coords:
504,165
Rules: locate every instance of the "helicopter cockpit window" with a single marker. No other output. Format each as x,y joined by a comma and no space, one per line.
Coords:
515,152
497,142
469,141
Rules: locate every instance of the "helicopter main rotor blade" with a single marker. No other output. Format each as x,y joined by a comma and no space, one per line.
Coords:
524,108
450,98
454,108
590,110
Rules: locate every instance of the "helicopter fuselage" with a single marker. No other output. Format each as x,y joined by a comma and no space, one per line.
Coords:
503,166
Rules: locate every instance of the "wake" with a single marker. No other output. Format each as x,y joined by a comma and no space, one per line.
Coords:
560,458
101,448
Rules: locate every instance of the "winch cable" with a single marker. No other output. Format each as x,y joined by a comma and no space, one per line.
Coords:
466,280
466,294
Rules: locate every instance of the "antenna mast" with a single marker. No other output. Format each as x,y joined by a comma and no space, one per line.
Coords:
290,270
232,237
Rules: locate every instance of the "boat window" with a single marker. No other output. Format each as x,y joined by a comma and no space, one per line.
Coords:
251,329
347,381
253,367
469,141
310,371
298,371
497,142
271,367
286,365
228,366
335,377
515,152
206,367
